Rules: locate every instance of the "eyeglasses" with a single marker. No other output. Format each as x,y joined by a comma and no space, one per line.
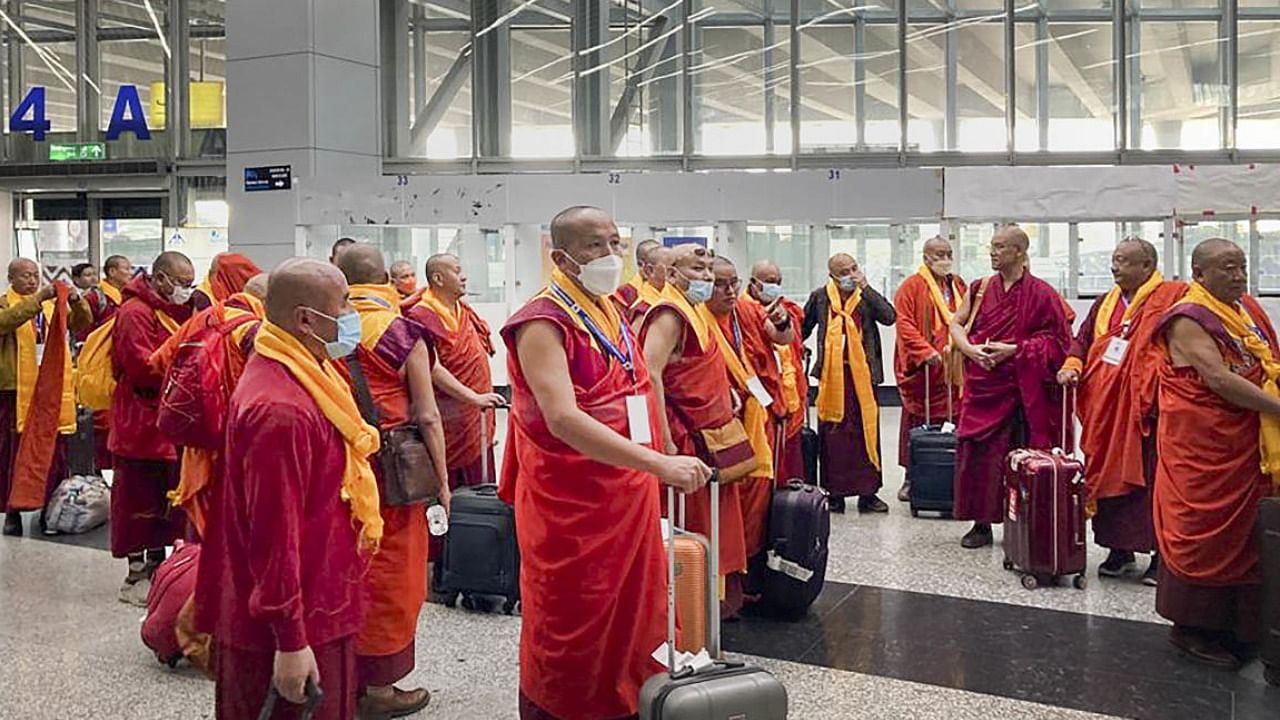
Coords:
729,284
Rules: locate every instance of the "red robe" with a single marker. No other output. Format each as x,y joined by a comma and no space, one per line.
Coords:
283,547
145,462
1016,404
1208,485
593,580
1119,462
922,332
230,273
465,353
395,585
697,395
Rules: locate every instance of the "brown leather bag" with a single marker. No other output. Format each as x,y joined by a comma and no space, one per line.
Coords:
408,475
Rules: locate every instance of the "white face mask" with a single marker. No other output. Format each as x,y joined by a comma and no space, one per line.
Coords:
770,292
941,267
601,276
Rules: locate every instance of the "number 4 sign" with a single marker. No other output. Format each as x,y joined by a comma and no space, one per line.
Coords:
126,115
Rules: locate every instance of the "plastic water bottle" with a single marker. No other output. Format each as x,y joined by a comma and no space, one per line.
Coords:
437,520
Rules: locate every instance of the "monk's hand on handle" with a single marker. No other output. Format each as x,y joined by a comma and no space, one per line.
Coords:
1067,376
684,473
487,401
290,673
934,360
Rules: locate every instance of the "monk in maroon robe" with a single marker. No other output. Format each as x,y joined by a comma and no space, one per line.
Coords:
146,464
627,295
1014,333
297,507
593,579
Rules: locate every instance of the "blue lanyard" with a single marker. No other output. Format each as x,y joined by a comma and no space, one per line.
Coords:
599,335
39,324
378,300
737,333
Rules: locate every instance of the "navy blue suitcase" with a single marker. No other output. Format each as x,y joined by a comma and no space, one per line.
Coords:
931,463
795,562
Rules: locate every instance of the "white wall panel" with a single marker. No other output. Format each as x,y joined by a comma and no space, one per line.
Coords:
1059,193
1224,189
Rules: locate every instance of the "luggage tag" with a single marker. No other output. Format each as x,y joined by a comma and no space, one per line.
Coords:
758,391
1115,351
39,353
639,429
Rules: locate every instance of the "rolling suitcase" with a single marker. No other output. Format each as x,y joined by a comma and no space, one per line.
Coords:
1044,536
796,549
697,599
931,454
81,450
1269,560
481,554
722,691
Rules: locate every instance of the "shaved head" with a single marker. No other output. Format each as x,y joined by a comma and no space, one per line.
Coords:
1145,250
572,226
1133,262
440,262
1211,251
765,270
688,253
17,265
445,276
24,276
1009,247
340,246
363,265
400,267
936,243
1015,235
303,284
257,286
1222,268
689,262
840,261
173,263
644,249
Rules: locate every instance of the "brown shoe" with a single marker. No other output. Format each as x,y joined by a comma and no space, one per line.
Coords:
1201,647
904,493
400,703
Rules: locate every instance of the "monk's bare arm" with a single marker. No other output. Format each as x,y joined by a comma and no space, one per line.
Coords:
1190,345
659,349
426,414
958,332
540,350
451,386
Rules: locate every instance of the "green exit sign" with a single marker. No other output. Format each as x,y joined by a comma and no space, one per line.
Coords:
59,152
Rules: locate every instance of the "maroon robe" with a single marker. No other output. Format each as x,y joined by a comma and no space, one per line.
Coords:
1018,403
283,548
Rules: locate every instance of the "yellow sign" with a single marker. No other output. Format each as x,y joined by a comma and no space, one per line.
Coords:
207,103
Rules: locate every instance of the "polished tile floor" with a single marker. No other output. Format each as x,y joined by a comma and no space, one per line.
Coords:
909,626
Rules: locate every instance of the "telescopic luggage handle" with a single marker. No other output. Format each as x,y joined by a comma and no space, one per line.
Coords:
713,571
314,697
928,397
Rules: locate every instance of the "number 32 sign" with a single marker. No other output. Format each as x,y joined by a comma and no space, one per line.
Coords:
126,115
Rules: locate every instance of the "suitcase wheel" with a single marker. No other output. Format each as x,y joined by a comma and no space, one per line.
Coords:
450,599
915,513
509,607
1008,564
1272,674
1030,582
1080,582
469,602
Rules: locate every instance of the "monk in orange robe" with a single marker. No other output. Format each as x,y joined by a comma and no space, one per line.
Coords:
242,314
593,577
765,289
1119,459
396,365
104,300
655,269
28,332
698,406
227,275
925,303
745,334
626,295
405,278
1219,454
297,515
1015,343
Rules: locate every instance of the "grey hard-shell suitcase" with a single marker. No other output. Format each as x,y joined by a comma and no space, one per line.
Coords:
1269,552
725,690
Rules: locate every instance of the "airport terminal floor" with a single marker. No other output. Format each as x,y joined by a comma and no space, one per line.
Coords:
909,625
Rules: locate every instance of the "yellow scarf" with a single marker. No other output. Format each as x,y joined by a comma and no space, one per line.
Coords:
754,417
1241,327
28,370
935,292
255,305
112,292
450,316
601,310
637,281
1109,303
379,306
672,295
649,295
333,396
843,333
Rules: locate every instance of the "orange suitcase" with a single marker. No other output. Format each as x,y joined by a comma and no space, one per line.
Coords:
692,592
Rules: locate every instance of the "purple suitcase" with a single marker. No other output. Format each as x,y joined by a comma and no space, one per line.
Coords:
1044,517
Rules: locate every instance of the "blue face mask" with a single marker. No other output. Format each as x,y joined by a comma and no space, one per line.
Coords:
846,283
699,291
770,292
348,334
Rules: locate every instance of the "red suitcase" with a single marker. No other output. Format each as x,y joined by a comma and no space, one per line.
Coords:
1044,517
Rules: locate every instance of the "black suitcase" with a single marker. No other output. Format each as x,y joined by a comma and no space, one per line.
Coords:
796,549
809,443
1269,560
81,456
931,462
481,556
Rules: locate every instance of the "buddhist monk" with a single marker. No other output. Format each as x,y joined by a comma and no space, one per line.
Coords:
654,270
698,407
1219,454
745,334
925,303
241,316
626,295
845,312
405,278
339,246
593,574
1101,363
396,366
103,301
227,275
146,464
764,290
1013,331
298,510
26,330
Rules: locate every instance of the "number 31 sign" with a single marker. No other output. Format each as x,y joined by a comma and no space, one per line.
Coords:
126,115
